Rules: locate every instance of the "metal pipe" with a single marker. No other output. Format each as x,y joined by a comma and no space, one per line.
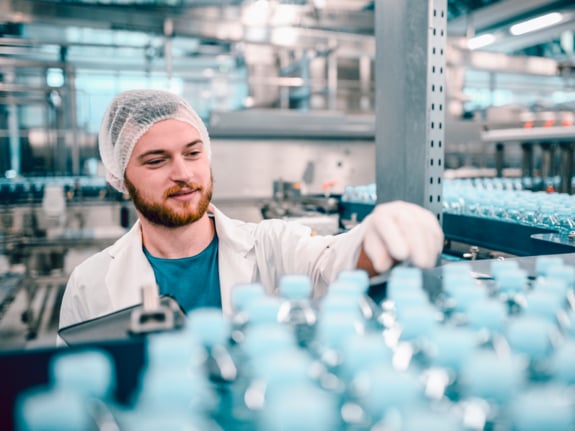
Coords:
499,159
527,160
16,88
332,80
168,54
566,167
365,82
304,102
73,121
547,151
15,154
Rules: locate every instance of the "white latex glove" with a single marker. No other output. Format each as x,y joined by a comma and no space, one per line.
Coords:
399,231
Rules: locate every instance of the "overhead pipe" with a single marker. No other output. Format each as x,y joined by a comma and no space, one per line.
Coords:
13,130
332,79
168,54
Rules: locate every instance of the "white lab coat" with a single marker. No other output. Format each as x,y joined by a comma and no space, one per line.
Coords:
248,252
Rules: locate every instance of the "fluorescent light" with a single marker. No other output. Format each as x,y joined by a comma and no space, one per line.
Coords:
536,23
285,36
256,13
481,41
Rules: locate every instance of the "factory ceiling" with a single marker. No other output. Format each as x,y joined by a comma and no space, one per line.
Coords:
49,29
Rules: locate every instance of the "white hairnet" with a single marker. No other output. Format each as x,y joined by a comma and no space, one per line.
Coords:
129,116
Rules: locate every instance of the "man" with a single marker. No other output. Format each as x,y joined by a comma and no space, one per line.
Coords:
154,146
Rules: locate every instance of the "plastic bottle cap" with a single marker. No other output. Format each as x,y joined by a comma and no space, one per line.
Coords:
493,377
40,409
487,314
173,390
263,340
361,351
208,326
263,310
561,363
547,407
417,322
359,278
90,372
295,286
243,294
452,347
530,335
381,388
303,407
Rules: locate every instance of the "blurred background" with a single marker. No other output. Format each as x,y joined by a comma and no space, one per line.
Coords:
288,92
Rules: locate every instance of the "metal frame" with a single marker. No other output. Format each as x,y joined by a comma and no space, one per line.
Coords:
410,101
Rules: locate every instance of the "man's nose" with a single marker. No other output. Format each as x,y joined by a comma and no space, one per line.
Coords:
181,169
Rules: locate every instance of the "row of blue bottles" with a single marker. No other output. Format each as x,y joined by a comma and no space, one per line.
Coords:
78,396
555,211
476,356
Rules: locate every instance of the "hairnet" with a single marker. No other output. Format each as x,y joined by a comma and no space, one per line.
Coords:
130,115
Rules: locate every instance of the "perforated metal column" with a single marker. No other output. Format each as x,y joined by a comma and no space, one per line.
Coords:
410,100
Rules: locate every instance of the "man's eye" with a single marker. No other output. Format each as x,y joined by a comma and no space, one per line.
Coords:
153,162
194,153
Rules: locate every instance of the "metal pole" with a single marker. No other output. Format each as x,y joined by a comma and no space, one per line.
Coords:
566,167
73,119
410,100
527,160
13,129
365,83
332,80
547,153
499,159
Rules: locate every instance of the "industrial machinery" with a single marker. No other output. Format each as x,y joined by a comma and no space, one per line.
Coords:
318,212
480,134
48,225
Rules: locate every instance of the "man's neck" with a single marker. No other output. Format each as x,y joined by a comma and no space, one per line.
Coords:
173,243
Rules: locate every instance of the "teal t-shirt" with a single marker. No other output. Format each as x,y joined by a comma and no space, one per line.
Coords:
194,282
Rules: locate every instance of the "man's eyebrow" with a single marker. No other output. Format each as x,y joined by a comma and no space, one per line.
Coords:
151,153
160,151
193,143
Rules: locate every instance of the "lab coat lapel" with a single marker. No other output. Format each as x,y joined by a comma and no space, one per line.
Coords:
236,261
129,270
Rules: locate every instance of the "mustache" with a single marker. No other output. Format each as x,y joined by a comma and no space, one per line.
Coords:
191,186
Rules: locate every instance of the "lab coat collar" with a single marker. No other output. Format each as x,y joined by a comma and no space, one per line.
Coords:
233,232
130,270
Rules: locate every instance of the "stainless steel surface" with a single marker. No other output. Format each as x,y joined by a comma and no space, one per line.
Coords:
536,134
410,110
246,167
292,124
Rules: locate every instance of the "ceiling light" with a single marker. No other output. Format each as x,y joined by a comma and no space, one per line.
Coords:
284,36
481,41
534,24
256,13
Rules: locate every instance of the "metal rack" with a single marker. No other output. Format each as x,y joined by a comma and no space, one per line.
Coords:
547,139
410,95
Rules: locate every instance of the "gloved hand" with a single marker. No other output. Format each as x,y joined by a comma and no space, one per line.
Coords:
399,231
